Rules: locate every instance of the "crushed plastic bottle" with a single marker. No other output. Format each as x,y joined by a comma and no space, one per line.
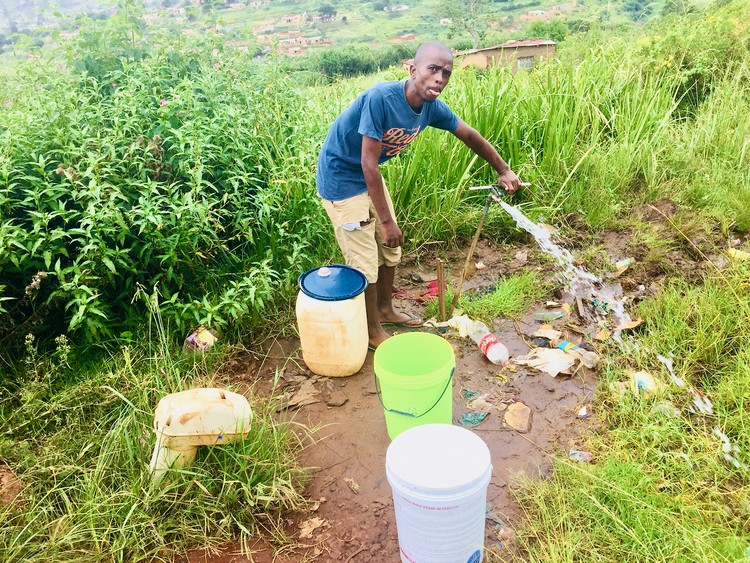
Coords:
643,383
488,343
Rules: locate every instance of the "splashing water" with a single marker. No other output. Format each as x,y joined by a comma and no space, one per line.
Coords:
579,282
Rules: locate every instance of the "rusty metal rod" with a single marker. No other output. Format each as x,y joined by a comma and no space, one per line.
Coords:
441,288
460,282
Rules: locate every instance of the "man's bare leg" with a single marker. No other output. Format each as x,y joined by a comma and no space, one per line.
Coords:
374,328
388,314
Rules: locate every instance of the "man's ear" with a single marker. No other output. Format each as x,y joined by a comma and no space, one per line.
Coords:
412,70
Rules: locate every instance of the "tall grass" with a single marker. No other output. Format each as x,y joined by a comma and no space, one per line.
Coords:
82,447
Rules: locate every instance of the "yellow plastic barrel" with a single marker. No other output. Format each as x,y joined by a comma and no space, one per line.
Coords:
414,372
332,320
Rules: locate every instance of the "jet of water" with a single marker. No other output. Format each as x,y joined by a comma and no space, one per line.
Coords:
578,281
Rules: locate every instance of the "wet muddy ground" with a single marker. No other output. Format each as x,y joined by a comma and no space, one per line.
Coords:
353,517
532,417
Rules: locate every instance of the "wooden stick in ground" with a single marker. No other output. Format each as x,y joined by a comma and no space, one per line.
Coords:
457,294
441,288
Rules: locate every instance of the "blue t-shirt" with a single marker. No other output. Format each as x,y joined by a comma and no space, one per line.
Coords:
380,112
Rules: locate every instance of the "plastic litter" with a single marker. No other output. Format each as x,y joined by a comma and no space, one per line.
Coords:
549,360
472,419
623,265
643,383
491,515
602,306
729,451
546,331
589,359
491,347
583,412
200,340
546,316
578,455
469,393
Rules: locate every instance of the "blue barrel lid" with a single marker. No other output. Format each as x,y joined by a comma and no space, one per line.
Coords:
333,283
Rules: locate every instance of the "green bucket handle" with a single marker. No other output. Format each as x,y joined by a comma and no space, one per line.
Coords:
394,411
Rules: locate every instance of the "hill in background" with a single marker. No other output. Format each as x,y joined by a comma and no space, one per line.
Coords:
296,27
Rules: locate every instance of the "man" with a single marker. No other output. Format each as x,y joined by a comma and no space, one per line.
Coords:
378,125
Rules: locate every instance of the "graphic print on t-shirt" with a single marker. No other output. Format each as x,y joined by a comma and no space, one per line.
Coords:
397,139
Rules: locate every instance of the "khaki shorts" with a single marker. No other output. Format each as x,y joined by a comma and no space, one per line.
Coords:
362,244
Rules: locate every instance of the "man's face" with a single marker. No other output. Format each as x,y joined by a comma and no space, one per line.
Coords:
430,73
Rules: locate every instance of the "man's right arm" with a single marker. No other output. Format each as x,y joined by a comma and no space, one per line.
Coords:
371,149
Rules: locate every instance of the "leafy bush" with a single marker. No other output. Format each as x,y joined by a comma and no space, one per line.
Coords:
356,60
151,169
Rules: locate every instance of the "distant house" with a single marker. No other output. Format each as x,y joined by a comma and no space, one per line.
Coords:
514,54
293,18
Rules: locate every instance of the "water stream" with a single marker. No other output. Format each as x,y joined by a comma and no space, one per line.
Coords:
578,281
586,285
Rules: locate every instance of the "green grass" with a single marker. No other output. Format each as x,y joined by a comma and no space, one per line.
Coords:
80,441
506,298
659,488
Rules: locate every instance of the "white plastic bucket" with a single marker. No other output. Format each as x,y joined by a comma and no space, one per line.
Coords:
439,475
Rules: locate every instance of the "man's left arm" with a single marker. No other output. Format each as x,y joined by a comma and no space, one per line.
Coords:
481,146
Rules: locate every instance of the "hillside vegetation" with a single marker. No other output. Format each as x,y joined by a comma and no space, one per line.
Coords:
151,183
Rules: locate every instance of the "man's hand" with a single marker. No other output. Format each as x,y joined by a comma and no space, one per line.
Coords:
509,181
392,236
471,137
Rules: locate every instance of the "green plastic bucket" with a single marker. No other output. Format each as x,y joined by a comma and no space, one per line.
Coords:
414,371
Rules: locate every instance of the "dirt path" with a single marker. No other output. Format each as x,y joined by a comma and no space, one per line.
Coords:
354,519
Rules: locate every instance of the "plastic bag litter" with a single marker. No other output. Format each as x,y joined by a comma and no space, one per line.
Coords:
461,323
549,360
200,340
578,455
471,419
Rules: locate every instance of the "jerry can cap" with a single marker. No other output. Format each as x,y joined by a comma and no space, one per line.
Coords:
334,282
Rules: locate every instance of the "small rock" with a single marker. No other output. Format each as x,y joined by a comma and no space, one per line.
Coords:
518,417
336,399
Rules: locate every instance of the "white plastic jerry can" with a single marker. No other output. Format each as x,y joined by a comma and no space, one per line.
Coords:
332,320
188,419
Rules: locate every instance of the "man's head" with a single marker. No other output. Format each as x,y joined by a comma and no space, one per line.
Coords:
431,69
